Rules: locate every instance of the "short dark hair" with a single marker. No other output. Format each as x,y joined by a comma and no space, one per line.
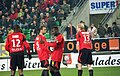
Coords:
16,28
41,27
55,27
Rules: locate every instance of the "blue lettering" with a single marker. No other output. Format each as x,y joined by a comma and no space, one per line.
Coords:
112,4
107,4
102,4
97,5
93,5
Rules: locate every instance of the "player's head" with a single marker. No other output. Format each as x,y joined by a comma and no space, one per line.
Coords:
16,28
55,31
43,29
80,27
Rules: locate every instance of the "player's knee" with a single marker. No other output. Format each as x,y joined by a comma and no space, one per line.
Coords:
79,66
89,67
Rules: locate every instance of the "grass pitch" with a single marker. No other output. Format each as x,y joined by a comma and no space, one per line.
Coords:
101,71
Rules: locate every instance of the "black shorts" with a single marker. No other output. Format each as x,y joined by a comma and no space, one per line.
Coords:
85,57
17,59
55,65
44,63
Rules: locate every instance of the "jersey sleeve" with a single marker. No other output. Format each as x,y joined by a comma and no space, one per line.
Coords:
59,39
26,44
7,44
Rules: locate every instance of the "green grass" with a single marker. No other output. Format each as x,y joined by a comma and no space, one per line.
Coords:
102,71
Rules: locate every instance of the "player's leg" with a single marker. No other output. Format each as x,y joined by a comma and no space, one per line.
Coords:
80,71
90,70
90,62
20,72
81,61
54,68
13,64
20,63
45,66
13,73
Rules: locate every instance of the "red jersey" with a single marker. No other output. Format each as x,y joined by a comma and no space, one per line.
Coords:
15,42
84,40
40,45
58,49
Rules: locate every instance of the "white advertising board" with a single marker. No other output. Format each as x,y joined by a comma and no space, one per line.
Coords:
99,61
3,65
102,6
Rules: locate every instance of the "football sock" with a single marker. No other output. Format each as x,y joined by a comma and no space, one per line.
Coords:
45,73
57,73
22,75
12,75
90,72
80,72
52,73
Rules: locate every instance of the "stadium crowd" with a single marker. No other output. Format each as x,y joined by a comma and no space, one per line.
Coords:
31,14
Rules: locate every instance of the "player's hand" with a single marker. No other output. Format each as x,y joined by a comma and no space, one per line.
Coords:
29,56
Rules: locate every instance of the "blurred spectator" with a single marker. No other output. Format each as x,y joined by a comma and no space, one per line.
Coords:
116,29
1,34
1,14
47,10
41,16
36,19
49,3
3,21
47,17
66,9
33,12
21,21
31,3
8,23
21,13
53,13
101,31
34,30
26,12
43,22
17,9
71,31
109,31
51,23
13,15
28,21
42,5
56,6
93,31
